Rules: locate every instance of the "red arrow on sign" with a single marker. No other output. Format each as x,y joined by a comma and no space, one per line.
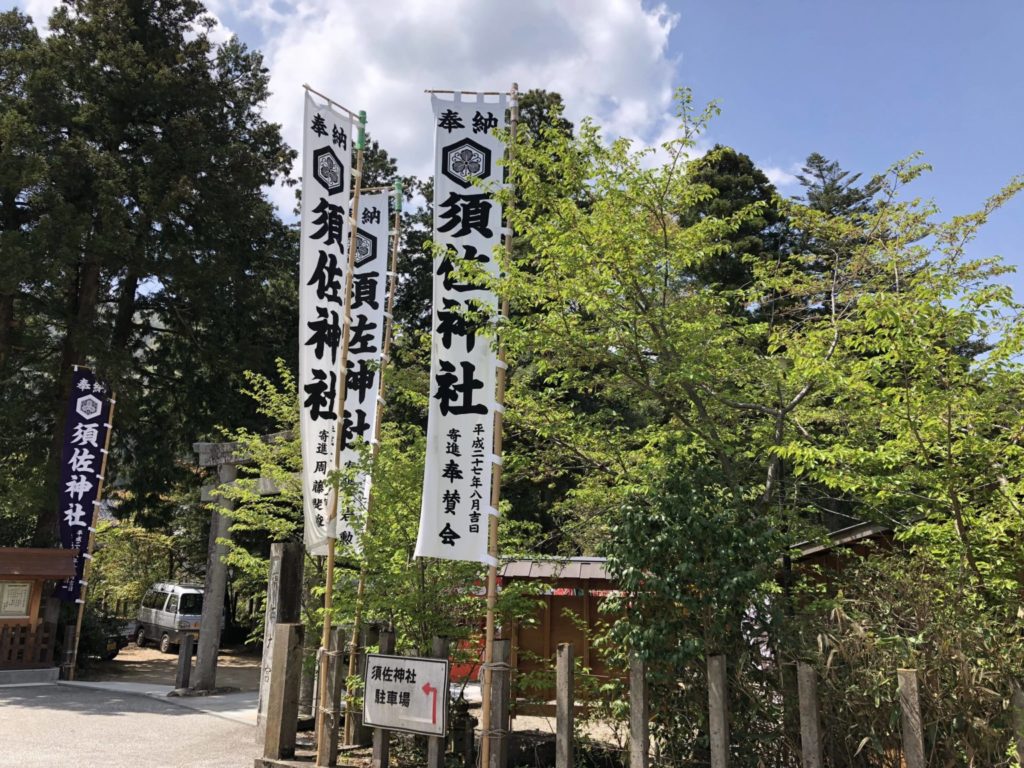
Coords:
429,690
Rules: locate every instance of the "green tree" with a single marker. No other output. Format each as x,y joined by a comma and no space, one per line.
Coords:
736,184
701,405
137,164
830,189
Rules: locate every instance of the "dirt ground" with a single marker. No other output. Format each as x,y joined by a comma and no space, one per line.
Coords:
236,667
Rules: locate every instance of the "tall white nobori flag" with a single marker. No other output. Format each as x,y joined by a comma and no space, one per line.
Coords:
326,181
460,426
365,345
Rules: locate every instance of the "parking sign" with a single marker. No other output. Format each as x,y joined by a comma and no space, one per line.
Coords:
406,693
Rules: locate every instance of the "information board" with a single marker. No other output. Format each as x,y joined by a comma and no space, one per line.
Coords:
14,598
406,693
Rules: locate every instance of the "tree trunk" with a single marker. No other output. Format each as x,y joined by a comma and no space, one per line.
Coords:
82,301
6,326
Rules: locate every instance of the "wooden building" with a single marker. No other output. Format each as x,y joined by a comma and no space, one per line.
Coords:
27,628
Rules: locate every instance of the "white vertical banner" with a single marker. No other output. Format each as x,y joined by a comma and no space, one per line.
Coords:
365,345
460,425
326,180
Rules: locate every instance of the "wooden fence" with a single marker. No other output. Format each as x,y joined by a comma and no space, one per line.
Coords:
811,738
22,647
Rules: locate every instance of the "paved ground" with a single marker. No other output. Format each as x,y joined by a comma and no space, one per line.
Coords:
49,726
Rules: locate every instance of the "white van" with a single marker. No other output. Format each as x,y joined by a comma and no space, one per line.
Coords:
169,612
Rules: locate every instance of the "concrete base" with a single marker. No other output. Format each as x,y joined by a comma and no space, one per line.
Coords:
29,676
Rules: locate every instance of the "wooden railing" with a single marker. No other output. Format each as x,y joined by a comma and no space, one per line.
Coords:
21,647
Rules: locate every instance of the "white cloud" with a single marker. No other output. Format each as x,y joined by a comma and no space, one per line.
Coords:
781,177
607,58
40,11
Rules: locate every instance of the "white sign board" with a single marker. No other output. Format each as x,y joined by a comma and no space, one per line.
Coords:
406,693
14,598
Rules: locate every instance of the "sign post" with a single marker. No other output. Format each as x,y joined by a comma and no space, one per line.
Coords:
406,693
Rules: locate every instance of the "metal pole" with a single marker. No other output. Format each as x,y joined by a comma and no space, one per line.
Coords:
322,747
374,451
87,567
492,570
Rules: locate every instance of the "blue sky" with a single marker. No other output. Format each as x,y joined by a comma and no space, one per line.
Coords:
865,82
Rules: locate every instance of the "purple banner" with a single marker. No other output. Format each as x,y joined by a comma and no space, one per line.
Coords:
85,433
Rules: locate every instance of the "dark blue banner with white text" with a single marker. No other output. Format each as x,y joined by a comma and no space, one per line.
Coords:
85,433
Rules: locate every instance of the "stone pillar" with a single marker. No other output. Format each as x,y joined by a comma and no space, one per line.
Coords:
214,587
284,602
184,672
282,717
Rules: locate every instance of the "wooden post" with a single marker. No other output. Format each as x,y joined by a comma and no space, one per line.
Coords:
435,744
68,662
486,727
322,747
500,693
565,700
810,717
381,740
283,699
284,603
362,734
215,584
1017,701
639,709
91,541
188,643
913,730
718,711
335,679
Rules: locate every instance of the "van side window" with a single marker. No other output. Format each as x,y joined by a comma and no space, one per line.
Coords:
172,604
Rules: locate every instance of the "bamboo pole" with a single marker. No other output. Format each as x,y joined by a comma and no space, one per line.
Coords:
492,548
514,91
91,541
323,732
353,645
332,102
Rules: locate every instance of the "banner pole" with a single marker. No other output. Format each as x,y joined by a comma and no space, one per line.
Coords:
492,527
91,541
389,320
323,734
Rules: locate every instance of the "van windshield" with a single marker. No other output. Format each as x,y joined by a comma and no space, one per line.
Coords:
190,605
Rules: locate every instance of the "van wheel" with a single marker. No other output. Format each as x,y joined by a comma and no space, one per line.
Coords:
165,643
140,638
